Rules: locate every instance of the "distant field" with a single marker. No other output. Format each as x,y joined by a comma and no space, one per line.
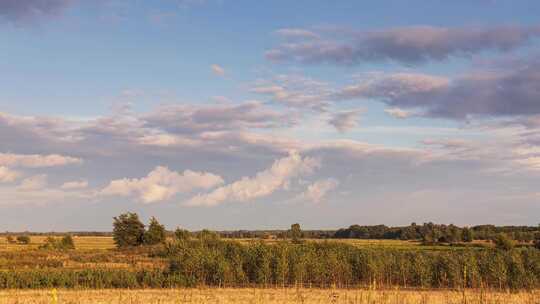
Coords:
104,242
266,296
82,242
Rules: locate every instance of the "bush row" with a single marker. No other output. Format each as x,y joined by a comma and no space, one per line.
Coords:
213,262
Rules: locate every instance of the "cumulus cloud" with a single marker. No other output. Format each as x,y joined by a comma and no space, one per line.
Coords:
74,185
162,184
7,175
217,70
345,121
409,45
317,191
36,161
29,10
266,182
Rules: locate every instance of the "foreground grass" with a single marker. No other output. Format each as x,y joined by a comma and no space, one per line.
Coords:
270,296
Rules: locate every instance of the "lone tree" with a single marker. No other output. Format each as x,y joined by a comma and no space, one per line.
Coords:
467,235
503,242
128,230
155,234
295,233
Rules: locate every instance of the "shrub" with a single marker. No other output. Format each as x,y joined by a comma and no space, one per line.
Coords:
155,233
182,234
23,239
503,242
52,243
10,239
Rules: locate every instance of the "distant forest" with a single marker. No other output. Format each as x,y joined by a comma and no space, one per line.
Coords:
427,232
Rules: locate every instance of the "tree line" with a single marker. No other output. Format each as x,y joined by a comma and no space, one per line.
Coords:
431,233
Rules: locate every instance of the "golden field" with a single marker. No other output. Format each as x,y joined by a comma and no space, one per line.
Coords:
270,296
106,242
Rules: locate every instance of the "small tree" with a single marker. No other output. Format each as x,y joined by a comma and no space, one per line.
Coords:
467,235
182,234
155,234
537,241
128,230
23,239
295,233
67,242
503,242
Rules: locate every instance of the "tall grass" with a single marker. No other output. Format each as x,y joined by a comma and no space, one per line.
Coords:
266,296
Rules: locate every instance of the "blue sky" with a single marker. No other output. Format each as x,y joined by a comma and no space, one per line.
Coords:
255,114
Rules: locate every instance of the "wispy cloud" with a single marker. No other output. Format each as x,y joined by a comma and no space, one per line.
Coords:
29,11
408,45
217,70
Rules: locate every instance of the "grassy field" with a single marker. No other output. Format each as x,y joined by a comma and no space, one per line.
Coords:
266,296
81,242
103,243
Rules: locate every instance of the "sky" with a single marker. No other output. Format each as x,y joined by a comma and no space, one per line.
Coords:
237,114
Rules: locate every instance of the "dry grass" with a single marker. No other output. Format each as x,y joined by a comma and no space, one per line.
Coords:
81,242
270,296
105,242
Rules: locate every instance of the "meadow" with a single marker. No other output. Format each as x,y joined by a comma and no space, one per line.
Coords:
209,269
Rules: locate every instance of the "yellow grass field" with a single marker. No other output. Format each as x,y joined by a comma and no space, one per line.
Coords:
266,296
105,242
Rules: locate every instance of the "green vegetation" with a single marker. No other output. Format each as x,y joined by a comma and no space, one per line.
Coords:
209,261
295,233
155,233
154,258
128,230
23,239
51,243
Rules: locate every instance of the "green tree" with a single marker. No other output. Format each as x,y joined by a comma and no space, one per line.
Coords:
23,239
537,241
155,233
128,230
295,233
503,242
182,234
67,242
467,235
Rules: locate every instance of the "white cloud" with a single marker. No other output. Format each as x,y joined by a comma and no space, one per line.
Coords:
162,184
317,191
297,33
217,70
7,175
36,161
73,185
398,113
266,182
